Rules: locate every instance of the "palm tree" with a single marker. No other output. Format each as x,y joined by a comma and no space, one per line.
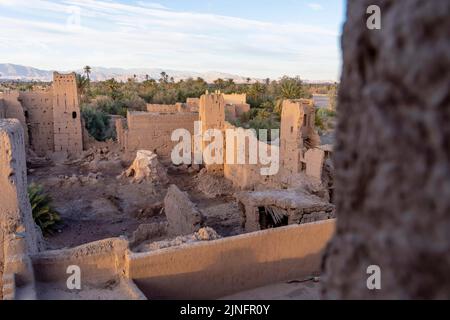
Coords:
87,71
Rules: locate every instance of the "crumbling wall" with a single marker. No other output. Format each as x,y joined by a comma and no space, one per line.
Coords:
212,116
18,234
66,115
291,137
182,214
38,106
14,110
235,98
392,154
193,104
153,131
314,159
162,108
291,207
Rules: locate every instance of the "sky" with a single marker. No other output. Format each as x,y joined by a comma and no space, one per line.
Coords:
255,38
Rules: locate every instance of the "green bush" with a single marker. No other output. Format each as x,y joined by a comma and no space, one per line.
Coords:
44,215
97,123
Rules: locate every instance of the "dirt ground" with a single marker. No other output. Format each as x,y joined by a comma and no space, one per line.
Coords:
95,203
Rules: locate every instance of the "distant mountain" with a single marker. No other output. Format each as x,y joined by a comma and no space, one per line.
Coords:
23,73
17,72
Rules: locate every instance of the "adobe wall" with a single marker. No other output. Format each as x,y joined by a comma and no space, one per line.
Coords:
99,262
163,108
392,154
153,131
14,109
291,137
18,233
212,116
38,106
235,98
66,115
193,104
213,269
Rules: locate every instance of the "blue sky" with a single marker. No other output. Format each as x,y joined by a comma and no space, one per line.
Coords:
257,38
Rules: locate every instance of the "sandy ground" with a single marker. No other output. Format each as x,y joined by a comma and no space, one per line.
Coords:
308,290
112,291
94,204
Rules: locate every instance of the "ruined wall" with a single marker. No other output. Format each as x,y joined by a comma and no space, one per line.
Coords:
14,110
153,131
212,116
162,108
66,114
235,98
18,235
193,104
392,154
291,137
214,269
38,106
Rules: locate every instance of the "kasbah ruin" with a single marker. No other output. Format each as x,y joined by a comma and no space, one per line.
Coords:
137,226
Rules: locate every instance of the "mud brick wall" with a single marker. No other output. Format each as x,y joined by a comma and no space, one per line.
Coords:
18,236
38,108
66,114
152,131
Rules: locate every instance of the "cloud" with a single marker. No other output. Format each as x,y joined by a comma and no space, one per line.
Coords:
315,6
152,35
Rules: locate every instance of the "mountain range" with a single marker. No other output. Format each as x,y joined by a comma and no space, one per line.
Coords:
10,71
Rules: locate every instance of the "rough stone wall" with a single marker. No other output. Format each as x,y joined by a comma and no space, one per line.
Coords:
66,114
38,106
153,131
18,235
392,156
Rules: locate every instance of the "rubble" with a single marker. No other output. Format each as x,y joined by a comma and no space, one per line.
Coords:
203,234
146,167
213,185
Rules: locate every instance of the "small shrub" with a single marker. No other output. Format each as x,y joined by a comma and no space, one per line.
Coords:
44,215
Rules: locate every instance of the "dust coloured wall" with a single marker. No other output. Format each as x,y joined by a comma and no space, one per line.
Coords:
18,237
165,108
153,131
214,269
14,109
66,114
392,156
291,133
38,109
